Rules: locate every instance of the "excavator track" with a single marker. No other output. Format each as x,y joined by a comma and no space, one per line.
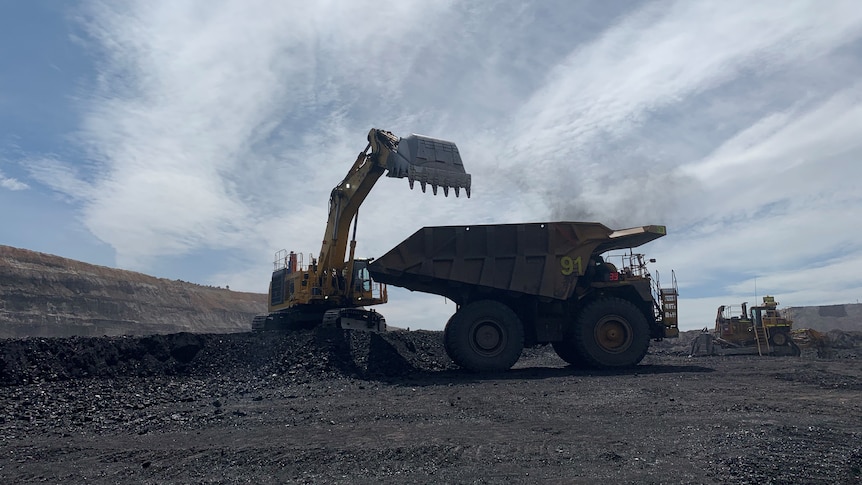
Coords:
288,320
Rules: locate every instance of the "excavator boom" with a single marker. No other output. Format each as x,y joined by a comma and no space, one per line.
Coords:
418,158
327,287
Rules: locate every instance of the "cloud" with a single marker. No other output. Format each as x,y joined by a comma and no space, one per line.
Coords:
224,125
778,194
62,177
205,116
782,141
576,134
11,183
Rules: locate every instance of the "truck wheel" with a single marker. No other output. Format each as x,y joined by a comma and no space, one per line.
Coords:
484,336
611,333
567,351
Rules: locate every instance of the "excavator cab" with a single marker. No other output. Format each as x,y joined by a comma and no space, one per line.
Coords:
362,281
365,290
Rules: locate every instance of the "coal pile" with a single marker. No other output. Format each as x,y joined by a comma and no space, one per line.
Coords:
322,352
387,408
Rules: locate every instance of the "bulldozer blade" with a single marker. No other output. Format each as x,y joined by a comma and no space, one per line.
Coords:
429,161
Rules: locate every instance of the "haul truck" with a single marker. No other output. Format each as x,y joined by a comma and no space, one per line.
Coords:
519,285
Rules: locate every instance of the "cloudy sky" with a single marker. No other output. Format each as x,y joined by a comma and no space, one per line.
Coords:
193,139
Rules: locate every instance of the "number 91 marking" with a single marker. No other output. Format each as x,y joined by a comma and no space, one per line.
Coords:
569,265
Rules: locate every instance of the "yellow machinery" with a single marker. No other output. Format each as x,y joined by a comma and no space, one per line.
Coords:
335,286
760,330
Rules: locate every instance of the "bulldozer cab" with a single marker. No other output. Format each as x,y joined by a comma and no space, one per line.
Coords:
767,314
733,312
733,324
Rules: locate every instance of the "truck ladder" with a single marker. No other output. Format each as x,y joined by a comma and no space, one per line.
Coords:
761,336
670,318
669,300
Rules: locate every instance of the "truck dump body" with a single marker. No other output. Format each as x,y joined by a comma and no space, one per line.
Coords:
541,259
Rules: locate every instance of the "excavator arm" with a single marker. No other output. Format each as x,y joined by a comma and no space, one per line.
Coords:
418,158
324,290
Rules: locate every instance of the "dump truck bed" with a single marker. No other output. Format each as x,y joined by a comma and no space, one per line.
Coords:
543,259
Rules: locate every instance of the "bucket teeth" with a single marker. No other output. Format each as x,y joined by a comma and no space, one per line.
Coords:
439,178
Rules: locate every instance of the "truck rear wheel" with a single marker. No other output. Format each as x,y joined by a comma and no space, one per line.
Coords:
611,333
484,336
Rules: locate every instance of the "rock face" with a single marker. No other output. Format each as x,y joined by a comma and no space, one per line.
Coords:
828,317
49,296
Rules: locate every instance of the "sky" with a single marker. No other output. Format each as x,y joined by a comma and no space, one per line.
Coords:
192,140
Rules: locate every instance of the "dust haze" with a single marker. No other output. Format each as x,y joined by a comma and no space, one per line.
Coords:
618,199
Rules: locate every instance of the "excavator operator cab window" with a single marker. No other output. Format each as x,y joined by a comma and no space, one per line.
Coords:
361,277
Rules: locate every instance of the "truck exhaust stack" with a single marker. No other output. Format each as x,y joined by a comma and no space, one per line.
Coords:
429,161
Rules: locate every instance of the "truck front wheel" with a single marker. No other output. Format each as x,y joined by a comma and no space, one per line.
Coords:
484,336
611,333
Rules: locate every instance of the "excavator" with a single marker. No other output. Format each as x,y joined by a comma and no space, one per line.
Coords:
760,330
335,287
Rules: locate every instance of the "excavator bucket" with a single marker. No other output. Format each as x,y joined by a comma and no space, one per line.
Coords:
429,161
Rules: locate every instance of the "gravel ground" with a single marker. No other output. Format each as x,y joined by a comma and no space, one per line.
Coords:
327,406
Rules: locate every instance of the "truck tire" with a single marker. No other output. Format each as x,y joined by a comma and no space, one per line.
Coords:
484,336
611,333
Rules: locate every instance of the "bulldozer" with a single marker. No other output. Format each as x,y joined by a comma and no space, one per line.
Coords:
335,287
739,330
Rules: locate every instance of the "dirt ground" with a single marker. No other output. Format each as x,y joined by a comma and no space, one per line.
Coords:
330,407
